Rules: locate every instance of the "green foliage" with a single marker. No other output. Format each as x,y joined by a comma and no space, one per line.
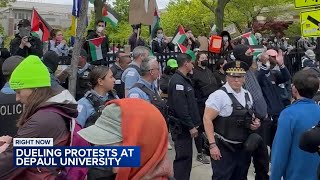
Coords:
191,14
1,30
293,30
7,41
244,12
122,8
4,3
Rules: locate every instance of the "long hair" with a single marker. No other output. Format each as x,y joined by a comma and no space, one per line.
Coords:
37,98
198,57
53,33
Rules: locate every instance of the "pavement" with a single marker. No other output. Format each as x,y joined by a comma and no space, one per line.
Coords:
202,171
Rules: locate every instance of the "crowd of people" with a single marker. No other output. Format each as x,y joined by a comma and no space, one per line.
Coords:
244,110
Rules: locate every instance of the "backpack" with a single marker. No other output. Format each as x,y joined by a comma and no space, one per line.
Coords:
70,173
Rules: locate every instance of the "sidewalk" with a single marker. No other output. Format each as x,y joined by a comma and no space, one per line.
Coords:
203,171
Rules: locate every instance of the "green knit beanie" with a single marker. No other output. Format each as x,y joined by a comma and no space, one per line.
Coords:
30,73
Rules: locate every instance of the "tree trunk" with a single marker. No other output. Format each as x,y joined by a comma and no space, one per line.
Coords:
98,5
77,46
219,12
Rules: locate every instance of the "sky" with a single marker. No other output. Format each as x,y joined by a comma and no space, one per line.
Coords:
161,3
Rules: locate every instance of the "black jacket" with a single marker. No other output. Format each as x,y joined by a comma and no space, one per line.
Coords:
164,82
182,102
220,77
134,43
195,44
35,49
104,44
270,89
204,83
161,47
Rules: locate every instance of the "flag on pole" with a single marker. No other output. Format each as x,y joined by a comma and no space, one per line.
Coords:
76,8
40,27
183,49
95,48
180,36
251,38
257,50
109,15
156,22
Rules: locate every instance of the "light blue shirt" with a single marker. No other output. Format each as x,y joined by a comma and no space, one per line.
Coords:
60,49
138,93
85,108
7,90
130,77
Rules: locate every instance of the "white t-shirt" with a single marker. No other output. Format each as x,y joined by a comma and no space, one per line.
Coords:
221,102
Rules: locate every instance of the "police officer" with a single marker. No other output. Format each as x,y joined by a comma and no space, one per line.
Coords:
132,74
184,116
84,69
122,62
93,102
145,87
228,121
10,109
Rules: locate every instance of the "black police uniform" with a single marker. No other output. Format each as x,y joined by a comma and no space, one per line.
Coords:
83,82
10,111
98,105
183,116
119,85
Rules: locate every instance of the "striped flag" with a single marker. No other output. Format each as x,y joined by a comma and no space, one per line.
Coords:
184,49
180,36
257,50
251,38
95,48
108,15
156,22
76,8
40,27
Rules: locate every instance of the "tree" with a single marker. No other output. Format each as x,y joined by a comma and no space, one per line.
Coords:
293,30
217,7
4,3
122,8
98,5
243,13
77,46
192,14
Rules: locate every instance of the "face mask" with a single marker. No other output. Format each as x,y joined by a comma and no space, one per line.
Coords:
246,59
268,64
204,63
24,32
225,38
100,29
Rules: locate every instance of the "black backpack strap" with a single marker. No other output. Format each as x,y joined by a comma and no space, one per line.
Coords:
152,95
231,96
135,67
94,100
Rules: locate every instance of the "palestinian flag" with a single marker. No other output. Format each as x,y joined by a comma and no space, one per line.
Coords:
156,22
108,15
251,38
183,49
95,48
180,36
257,50
40,27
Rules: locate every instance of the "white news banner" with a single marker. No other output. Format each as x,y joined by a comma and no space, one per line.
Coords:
31,142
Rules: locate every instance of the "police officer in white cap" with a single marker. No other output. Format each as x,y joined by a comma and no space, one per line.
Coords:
228,124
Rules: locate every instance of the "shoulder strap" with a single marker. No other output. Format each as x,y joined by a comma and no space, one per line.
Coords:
152,95
231,96
135,67
94,100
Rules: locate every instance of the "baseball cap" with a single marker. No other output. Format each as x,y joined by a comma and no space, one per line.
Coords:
172,63
10,64
24,23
